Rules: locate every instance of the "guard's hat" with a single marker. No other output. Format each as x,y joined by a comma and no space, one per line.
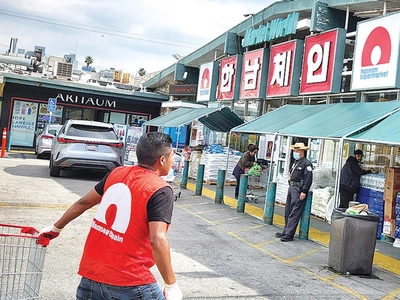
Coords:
358,151
299,146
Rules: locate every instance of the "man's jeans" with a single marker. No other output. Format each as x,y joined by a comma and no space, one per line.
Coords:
92,290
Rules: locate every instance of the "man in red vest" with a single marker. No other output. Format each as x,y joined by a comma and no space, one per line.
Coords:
128,233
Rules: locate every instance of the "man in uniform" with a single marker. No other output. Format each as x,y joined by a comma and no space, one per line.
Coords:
300,180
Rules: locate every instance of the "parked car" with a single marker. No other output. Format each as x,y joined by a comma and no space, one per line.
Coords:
44,139
88,145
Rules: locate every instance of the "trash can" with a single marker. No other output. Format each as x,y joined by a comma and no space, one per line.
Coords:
352,242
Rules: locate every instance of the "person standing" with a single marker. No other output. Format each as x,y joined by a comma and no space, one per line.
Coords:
247,160
350,176
128,233
300,180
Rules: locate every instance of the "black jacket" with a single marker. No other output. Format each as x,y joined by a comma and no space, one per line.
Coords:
350,174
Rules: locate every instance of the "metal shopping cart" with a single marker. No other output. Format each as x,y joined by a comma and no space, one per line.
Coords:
21,262
253,181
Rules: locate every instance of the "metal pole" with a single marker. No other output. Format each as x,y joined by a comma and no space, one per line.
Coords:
9,141
242,193
185,173
305,218
199,183
270,203
219,192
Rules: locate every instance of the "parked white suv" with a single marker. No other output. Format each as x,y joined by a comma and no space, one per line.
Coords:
88,145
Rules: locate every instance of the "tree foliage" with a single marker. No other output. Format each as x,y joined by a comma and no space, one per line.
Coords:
88,60
142,72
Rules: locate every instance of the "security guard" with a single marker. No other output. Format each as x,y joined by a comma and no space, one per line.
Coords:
300,180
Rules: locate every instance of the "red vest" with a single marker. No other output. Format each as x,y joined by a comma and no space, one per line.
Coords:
117,249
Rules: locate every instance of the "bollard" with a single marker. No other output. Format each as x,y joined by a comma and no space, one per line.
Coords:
199,183
242,193
219,192
305,218
4,142
185,173
270,203
9,141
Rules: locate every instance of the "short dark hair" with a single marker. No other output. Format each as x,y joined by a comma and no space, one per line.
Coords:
252,148
358,151
151,146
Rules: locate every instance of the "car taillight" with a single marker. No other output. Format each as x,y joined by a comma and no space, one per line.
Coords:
64,140
47,136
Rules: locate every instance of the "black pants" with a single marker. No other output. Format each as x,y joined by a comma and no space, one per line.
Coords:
237,172
345,197
293,210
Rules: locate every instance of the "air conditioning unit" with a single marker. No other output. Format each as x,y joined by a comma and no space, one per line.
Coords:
63,69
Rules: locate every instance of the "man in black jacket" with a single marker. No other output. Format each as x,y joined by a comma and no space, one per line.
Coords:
350,178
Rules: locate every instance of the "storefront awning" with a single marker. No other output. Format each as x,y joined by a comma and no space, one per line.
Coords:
386,132
278,119
340,119
217,119
329,121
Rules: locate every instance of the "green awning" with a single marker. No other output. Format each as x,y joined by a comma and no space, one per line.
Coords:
217,119
278,119
385,132
340,119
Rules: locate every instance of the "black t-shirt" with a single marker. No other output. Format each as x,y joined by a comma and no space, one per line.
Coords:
159,206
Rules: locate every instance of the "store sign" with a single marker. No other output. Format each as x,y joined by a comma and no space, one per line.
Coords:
376,55
285,68
323,62
89,101
254,74
277,28
229,78
208,81
182,89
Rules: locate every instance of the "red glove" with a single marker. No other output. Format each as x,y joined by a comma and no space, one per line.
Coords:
50,232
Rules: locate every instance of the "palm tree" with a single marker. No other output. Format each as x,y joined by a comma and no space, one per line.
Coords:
142,72
88,60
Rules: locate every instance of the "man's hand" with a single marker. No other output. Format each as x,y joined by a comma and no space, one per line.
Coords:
302,196
172,291
50,232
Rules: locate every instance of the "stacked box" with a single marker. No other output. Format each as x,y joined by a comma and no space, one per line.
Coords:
392,188
374,200
397,223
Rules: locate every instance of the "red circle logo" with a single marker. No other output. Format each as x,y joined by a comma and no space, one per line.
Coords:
377,48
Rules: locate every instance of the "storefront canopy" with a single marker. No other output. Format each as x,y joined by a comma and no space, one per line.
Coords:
329,121
386,132
278,119
217,119
340,119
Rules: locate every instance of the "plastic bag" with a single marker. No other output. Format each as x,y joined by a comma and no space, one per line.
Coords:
255,170
357,209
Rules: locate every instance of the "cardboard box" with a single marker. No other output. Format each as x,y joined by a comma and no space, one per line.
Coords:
390,193
392,176
389,210
389,226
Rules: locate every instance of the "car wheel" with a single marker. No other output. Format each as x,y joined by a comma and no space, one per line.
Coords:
39,155
54,171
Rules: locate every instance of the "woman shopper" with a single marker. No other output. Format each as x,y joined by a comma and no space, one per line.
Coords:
247,160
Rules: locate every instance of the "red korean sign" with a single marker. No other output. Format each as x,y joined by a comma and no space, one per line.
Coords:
229,71
254,69
323,62
284,69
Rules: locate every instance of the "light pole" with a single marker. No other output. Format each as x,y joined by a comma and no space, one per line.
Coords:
252,19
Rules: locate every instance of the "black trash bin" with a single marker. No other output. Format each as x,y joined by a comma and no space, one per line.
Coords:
352,242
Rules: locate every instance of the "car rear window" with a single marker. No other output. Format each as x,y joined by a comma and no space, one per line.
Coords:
92,132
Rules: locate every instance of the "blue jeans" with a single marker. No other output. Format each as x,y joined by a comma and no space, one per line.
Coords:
92,290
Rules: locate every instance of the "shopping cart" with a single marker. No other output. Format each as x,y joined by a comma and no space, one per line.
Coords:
253,181
21,262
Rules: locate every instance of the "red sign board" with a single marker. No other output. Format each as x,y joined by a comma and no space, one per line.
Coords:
284,69
254,74
229,71
323,56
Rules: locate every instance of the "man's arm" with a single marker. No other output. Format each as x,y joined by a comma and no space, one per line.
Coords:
79,207
161,250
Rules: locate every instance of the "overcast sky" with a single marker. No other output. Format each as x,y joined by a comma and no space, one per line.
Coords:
122,34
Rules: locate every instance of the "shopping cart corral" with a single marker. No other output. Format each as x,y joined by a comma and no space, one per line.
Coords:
22,256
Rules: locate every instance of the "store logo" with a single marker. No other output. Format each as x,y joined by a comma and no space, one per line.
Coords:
114,210
377,48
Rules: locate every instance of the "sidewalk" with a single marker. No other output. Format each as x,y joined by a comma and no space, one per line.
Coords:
386,256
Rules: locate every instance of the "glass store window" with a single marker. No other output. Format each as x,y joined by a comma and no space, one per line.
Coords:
23,124
117,118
